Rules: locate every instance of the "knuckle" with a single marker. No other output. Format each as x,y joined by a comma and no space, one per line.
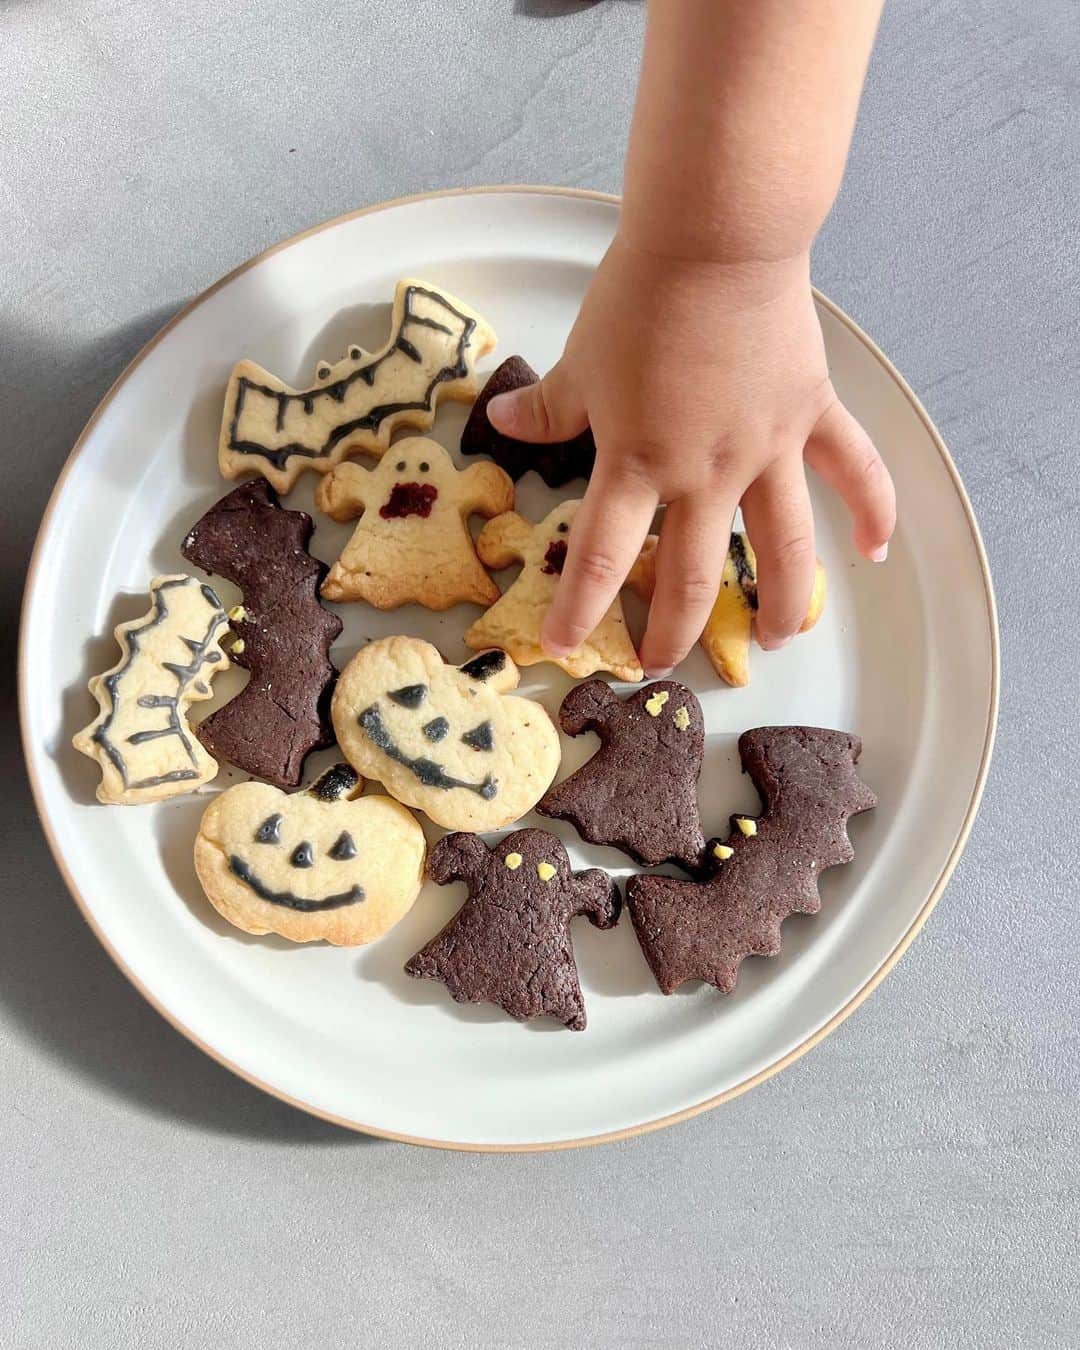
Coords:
792,553
692,591
597,567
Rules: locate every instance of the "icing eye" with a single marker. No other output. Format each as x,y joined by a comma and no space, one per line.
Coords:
269,832
436,729
344,848
562,527
424,466
302,855
400,466
354,353
481,737
324,371
409,695
485,665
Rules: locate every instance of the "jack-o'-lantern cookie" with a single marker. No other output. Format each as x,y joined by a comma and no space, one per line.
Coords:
446,739
412,545
357,404
514,621
321,865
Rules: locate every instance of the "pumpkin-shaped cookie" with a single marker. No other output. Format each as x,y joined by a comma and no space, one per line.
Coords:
322,865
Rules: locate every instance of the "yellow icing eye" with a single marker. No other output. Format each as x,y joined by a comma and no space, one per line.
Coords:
237,613
545,871
654,704
746,825
723,851
513,861
681,719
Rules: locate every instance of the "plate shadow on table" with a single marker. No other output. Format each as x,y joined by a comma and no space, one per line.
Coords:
57,984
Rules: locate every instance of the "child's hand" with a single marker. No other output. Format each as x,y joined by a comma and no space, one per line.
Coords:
705,385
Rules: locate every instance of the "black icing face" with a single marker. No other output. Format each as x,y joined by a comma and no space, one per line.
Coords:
277,864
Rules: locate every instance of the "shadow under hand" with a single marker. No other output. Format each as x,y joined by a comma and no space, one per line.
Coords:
57,985
552,9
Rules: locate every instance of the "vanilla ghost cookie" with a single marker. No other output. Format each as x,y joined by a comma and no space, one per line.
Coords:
325,865
726,637
514,621
356,405
446,739
412,545
140,737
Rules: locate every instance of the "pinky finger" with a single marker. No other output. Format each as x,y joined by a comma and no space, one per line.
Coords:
840,452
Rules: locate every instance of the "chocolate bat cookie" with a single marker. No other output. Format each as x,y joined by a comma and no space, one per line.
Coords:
284,634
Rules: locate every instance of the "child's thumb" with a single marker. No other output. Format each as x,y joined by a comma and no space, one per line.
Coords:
548,411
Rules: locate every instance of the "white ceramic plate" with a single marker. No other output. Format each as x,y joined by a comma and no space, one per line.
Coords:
906,656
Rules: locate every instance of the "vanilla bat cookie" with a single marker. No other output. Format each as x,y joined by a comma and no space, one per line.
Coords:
412,544
726,638
556,463
284,634
442,738
767,870
140,737
325,865
356,405
514,621
509,944
639,791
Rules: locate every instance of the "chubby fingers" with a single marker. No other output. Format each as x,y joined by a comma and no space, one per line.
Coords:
841,453
780,523
609,529
689,564
548,411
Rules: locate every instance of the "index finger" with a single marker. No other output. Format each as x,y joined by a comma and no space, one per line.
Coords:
605,539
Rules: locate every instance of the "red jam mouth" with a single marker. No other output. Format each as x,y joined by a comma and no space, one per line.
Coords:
409,499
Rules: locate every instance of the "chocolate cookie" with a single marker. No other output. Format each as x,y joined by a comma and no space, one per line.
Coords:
639,791
556,464
769,867
510,943
284,634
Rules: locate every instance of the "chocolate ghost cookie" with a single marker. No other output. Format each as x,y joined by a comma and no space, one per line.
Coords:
322,865
509,943
767,870
447,739
639,791
284,634
556,464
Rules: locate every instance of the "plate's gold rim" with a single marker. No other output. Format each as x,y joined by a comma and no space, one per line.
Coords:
612,1135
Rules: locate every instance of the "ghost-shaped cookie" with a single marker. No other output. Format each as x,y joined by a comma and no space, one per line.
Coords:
322,865
509,944
412,544
446,739
638,793
514,621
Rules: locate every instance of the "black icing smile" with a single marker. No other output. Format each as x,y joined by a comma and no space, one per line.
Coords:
426,770
244,872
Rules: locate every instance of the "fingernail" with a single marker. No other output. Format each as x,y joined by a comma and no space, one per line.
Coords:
502,405
773,644
658,673
880,554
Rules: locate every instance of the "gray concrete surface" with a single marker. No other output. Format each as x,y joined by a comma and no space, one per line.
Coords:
910,1183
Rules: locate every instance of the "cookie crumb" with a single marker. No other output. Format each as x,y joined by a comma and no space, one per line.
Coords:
722,851
237,614
746,825
681,719
545,871
238,646
513,861
656,702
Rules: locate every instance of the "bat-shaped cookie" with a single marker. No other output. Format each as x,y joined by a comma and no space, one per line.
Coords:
768,869
284,634
356,405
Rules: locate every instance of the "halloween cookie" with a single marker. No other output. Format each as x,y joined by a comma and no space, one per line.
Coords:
284,634
768,869
356,405
412,544
557,463
442,738
323,865
140,737
639,791
514,621
509,943
726,638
